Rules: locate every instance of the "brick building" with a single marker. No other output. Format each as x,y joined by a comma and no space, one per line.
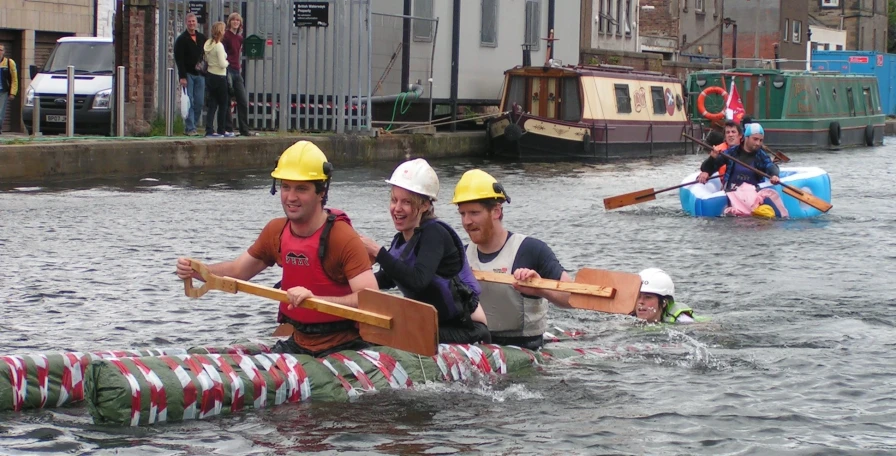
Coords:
29,31
865,21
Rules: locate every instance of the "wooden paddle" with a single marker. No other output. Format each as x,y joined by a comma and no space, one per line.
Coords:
807,198
384,319
641,196
593,289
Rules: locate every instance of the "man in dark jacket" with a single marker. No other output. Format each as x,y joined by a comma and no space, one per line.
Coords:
188,56
233,45
750,152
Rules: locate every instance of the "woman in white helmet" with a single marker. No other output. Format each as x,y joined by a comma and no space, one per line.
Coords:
656,303
426,259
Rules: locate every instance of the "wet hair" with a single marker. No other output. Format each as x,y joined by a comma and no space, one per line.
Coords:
734,124
714,138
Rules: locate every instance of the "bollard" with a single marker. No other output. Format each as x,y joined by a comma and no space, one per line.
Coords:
70,103
35,118
119,102
169,103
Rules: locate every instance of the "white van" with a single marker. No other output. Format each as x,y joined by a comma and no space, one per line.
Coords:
94,62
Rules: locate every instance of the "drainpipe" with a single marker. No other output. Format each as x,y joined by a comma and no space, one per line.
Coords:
406,45
455,57
96,15
551,24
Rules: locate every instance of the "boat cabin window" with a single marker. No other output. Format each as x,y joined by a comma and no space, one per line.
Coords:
516,93
659,99
869,103
623,100
570,105
851,101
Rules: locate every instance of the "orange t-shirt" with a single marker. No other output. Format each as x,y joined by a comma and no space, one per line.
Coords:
346,258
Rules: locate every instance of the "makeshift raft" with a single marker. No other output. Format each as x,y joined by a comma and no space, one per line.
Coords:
135,388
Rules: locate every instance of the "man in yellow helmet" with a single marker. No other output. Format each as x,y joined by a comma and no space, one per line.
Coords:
516,315
319,251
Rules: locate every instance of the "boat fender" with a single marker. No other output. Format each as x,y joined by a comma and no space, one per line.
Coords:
869,135
834,133
701,103
513,132
586,141
489,151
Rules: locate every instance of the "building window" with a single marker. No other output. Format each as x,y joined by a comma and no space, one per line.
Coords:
623,100
423,29
797,31
601,12
830,3
488,32
839,47
700,6
659,99
533,24
628,17
786,30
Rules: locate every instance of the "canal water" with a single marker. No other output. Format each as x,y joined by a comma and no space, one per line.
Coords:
798,355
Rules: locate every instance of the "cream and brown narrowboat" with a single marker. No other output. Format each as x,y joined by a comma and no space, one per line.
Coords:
589,112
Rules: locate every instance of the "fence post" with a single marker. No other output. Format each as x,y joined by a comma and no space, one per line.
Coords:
169,103
119,102
70,103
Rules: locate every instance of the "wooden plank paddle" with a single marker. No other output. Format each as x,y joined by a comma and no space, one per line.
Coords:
641,196
807,198
384,319
593,289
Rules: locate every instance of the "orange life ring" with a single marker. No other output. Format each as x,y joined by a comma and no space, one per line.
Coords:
701,103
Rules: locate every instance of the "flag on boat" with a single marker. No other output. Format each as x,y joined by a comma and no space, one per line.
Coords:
734,108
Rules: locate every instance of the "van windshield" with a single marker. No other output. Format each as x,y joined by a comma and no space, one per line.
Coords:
86,57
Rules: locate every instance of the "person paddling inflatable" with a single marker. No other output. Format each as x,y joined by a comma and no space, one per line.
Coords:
426,259
656,303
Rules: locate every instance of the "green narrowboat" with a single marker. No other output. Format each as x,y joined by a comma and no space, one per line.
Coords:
799,110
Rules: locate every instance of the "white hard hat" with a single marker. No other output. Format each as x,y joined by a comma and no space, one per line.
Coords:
656,281
416,176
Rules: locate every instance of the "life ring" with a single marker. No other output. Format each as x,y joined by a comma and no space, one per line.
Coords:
701,103
834,133
869,135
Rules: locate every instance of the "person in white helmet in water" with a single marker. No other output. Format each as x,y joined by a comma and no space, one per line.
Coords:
656,302
426,258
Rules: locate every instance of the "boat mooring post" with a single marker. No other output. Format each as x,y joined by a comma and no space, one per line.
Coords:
70,102
169,103
119,101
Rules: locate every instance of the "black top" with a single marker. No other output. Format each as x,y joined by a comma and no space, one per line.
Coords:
187,53
436,254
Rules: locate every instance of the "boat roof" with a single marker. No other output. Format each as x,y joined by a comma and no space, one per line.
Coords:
772,71
602,70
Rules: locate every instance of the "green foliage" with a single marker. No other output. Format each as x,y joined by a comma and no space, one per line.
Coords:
891,26
157,126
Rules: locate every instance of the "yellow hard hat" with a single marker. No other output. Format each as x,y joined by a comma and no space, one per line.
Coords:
302,161
477,184
765,211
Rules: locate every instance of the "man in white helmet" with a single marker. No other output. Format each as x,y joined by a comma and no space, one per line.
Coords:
656,303
320,253
517,315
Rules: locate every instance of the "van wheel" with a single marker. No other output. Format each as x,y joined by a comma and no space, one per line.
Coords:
869,135
834,133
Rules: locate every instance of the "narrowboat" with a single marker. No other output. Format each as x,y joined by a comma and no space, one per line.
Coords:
588,112
799,110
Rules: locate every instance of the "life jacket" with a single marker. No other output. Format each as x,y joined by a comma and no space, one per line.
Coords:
302,259
509,313
458,295
737,174
674,310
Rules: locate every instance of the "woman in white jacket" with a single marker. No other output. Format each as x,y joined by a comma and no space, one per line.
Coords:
216,82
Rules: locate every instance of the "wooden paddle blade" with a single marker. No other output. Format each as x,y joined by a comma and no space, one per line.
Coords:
546,284
808,198
284,330
627,286
628,199
415,325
